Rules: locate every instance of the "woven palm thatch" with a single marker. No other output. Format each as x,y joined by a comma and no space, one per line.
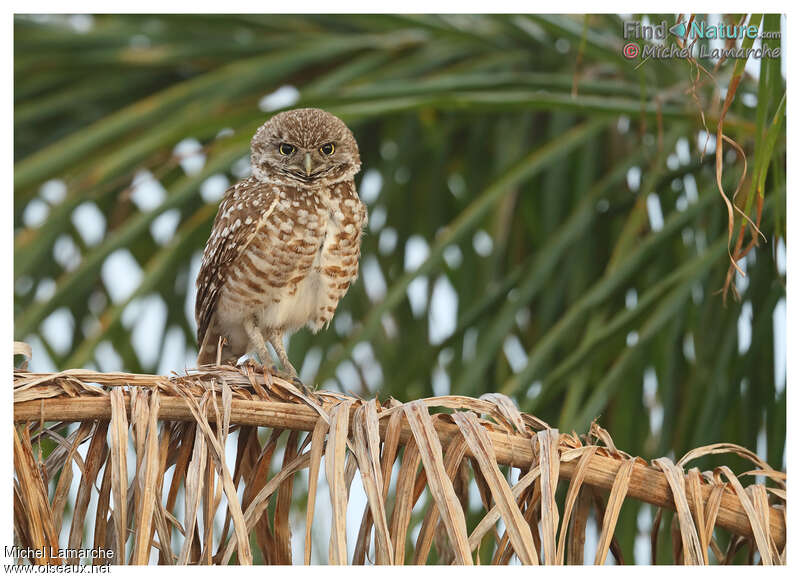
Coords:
178,429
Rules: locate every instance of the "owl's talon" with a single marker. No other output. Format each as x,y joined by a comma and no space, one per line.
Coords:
294,380
305,390
277,372
299,383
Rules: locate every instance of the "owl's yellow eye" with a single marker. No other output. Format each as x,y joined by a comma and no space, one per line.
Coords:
285,149
327,149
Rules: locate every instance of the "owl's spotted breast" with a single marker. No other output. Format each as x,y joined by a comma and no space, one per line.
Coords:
336,262
294,255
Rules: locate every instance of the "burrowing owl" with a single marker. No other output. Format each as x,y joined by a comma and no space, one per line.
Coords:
285,244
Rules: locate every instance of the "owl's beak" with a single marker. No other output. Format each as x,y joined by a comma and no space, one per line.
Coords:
307,164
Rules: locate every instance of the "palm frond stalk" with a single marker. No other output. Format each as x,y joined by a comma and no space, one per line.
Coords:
194,422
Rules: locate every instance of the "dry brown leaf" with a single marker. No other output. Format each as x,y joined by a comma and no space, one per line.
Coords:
335,474
95,456
493,515
601,434
572,495
506,409
577,534
692,549
758,494
281,529
253,513
615,499
165,554
193,494
452,461
119,470
60,495
430,451
780,493
404,500
33,496
367,447
390,445
759,533
698,511
218,455
550,463
55,460
259,475
518,530
317,448
101,517
727,448
775,475
148,494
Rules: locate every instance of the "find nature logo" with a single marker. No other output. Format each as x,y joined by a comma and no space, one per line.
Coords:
643,31
638,33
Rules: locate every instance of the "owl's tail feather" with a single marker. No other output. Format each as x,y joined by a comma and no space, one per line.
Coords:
208,350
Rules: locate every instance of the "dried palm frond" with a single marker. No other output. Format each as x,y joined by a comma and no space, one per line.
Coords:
183,424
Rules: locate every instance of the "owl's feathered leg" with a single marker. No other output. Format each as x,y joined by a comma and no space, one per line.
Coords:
257,340
276,340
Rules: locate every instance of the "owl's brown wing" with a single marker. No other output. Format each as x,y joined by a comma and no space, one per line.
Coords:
241,214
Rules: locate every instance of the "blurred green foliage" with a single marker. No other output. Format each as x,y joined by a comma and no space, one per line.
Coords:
557,192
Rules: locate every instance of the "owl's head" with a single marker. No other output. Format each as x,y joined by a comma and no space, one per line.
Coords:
304,147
